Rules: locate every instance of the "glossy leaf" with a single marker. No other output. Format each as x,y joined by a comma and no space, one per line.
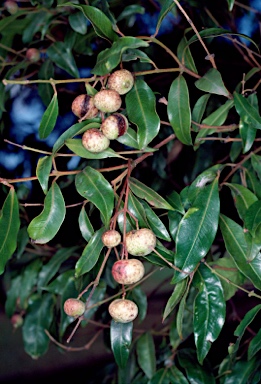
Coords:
185,56
175,298
62,56
174,220
181,313
148,194
98,295
146,354
165,9
36,24
256,164
78,22
43,170
241,372
230,4
156,225
175,201
100,22
38,318
197,230
176,376
49,118
45,226
28,282
199,110
92,185
252,217
136,209
75,145
247,134
212,82
243,198
12,295
161,376
236,245
141,110
90,254
246,111
254,345
109,58
178,110
209,310
195,372
121,338
252,182
9,227
140,298
85,225
45,91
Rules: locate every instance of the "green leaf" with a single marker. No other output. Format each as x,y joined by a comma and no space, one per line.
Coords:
45,91
136,209
181,314
252,217
98,295
176,376
246,111
165,9
9,227
241,372
256,164
185,56
178,110
195,373
109,58
243,198
212,82
100,22
174,220
78,22
141,110
254,345
175,298
49,118
247,134
90,254
197,230
62,56
161,376
140,298
121,337
175,201
155,223
43,170
209,310
45,226
38,318
153,198
236,245
12,295
75,145
230,4
199,110
92,185
85,225
37,21
146,354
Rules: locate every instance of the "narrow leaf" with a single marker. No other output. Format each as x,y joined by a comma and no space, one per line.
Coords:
175,298
165,9
156,225
141,109
185,56
49,118
195,372
43,170
62,56
44,227
243,198
212,82
252,217
241,372
78,22
92,185
254,345
256,164
246,111
9,227
146,354
75,145
199,110
121,337
85,225
179,110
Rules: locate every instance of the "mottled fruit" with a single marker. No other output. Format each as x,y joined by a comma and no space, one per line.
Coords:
95,141
114,126
74,307
128,271
111,238
84,108
107,100
33,55
140,242
123,310
121,81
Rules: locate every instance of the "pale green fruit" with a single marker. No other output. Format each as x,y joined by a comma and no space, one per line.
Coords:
121,81
128,271
74,307
123,310
107,100
140,242
111,238
95,141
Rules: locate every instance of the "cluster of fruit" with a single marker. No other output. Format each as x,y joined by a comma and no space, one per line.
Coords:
106,101
139,242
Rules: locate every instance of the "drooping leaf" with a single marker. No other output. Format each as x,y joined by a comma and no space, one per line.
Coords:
45,226
85,225
109,58
43,170
9,227
75,145
219,116
165,9
38,318
185,56
197,230
236,245
141,109
121,337
49,118
179,110
176,376
247,134
243,198
97,296
90,254
246,111
45,91
195,372
156,225
199,110
212,82
209,310
175,298
161,376
140,298
130,140
230,4
152,197
37,23
62,56
78,22
175,201
92,185
242,372
146,354
252,217
181,313
100,22
256,164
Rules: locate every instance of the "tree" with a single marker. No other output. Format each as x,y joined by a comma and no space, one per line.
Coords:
176,160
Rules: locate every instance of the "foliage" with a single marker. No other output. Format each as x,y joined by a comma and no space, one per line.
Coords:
188,168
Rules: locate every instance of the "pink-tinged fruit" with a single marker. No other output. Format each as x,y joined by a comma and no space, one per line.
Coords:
123,310
128,271
74,307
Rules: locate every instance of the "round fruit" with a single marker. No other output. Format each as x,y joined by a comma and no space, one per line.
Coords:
33,55
17,320
111,238
83,107
11,6
123,310
107,100
114,126
74,307
121,81
140,242
95,141
128,271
